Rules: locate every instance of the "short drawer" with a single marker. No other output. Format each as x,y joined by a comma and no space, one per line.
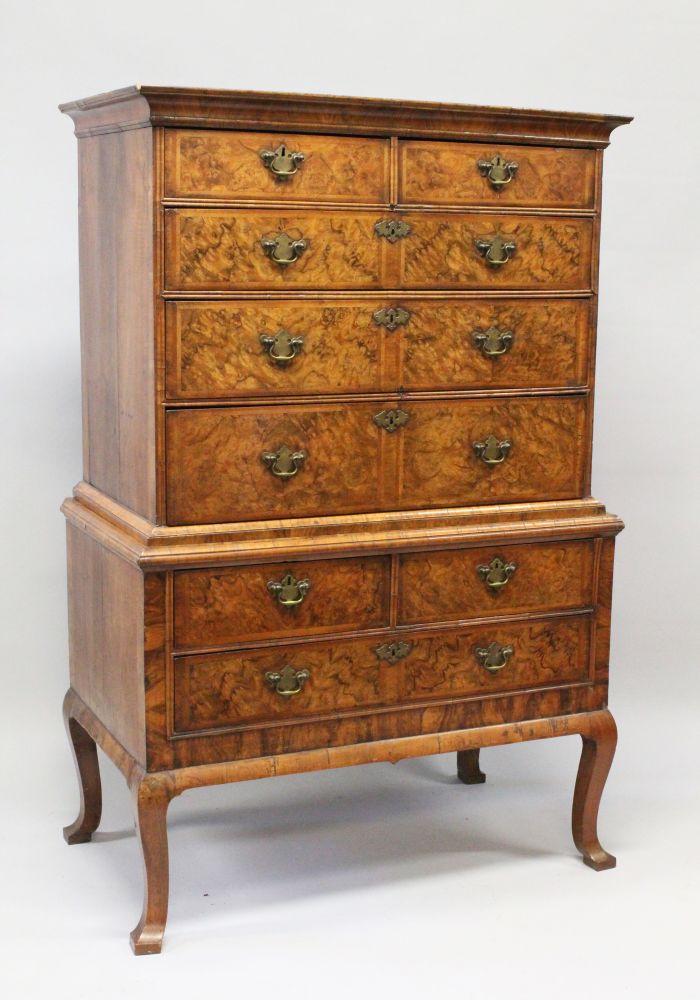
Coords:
222,250
474,174
247,603
289,347
273,686
257,462
267,166
459,584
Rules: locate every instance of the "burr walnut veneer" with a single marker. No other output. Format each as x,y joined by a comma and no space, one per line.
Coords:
338,366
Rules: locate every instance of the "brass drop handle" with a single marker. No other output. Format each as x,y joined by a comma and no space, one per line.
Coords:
287,681
493,342
493,657
281,162
282,348
496,249
289,591
283,249
491,451
284,463
498,171
392,652
497,574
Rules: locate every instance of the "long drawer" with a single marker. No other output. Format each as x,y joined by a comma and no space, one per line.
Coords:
230,605
258,462
288,347
220,250
285,684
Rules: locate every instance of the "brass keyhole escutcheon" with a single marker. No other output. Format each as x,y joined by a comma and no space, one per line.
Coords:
391,420
283,463
497,574
496,249
281,348
493,657
287,681
281,162
392,229
289,591
283,249
392,652
491,451
392,317
498,171
493,342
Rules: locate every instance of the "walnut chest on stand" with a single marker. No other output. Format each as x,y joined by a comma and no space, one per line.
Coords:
338,367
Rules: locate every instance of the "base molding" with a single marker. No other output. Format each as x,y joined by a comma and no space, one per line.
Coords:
381,751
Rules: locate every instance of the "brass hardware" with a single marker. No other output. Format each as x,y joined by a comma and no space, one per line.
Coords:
283,250
392,652
281,162
493,342
287,681
494,657
391,420
498,171
495,249
392,317
491,451
283,463
289,591
282,348
392,229
497,573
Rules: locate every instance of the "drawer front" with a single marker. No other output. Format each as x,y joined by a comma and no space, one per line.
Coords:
456,585
346,463
217,690
546,459
210,250
248,603
470,174
221,250
442,251
215,350
229,165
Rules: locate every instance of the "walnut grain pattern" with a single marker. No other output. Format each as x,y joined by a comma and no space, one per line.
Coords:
219,608
544,653
551,253
210,249
446,585
446,173
549,348
217,164
214,351
228,689
215,473
546,458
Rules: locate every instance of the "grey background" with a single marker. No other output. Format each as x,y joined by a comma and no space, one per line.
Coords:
379,880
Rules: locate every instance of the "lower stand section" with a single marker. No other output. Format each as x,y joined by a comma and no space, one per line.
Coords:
153,791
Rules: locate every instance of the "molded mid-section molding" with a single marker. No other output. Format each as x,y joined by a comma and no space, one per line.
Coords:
160,547
143,106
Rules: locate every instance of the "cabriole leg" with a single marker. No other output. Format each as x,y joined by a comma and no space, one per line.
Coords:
468,769
88,769
596,757
152,797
